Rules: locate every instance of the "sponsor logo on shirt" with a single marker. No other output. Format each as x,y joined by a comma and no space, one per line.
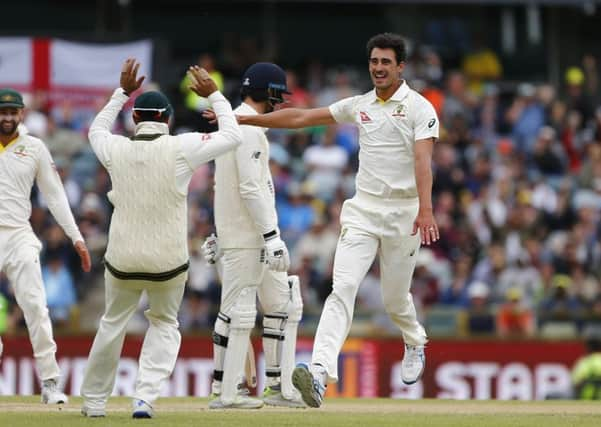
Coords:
431,123
364,117
400,111
205,137
256,155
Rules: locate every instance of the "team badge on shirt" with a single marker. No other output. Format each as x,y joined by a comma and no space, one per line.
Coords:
364,117
20,151
400,111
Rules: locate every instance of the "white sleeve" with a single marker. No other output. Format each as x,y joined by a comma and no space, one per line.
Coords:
426,123
259,203
52,189
199,148
100,130
342,111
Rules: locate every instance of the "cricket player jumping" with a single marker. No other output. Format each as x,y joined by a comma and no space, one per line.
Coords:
254,258
24,160
148,247
390,214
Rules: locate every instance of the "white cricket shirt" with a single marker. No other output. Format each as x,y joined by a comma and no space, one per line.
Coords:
244,194
150,174
387,134
24,161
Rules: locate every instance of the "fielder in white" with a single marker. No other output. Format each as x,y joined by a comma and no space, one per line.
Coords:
254,259
390,214
148,247
24,160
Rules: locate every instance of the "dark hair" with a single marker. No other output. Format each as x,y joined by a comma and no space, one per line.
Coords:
257,95
388,41
151,116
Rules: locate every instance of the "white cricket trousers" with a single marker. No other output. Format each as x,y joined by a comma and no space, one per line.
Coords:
240,269
161,342
370,225
20,261
274,292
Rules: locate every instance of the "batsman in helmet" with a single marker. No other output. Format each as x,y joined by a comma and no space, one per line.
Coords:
252,259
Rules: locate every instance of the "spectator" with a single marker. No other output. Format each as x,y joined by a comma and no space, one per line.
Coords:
480,319
559,304
514,318
296,215
60,290
526,116
547,154
325,163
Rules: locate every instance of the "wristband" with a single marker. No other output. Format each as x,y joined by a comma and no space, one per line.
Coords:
269,235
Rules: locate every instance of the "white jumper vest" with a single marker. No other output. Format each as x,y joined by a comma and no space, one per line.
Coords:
148,231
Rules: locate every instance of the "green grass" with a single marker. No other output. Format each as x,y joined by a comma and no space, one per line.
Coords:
27,411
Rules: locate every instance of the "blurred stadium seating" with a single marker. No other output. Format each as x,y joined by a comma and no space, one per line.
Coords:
517,189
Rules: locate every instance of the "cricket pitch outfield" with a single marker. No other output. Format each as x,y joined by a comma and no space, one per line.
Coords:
27,411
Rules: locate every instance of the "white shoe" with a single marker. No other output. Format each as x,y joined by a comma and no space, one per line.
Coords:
88,411
273,396
141,409
413,364
310,386
51,394
240,402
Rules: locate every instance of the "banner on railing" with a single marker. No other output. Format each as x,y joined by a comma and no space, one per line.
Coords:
523,370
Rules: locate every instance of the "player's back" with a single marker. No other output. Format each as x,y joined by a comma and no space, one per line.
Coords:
148,229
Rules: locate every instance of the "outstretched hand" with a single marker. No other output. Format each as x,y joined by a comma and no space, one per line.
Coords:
201,82
129,76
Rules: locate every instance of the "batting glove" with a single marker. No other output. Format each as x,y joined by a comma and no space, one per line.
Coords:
277,257
211,251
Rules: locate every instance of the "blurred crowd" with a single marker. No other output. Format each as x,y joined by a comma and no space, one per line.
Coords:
517,197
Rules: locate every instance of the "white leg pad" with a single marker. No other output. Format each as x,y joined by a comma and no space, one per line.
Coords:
221,335
295,314
273,337
243,316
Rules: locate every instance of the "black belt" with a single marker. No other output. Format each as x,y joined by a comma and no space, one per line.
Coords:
153,277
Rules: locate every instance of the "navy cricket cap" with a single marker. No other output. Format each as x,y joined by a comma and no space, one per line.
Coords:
10,98
153,101
265,75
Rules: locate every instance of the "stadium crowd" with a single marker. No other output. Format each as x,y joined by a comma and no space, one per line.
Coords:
517,197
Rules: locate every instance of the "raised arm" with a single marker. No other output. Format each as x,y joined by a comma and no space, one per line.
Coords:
291,118
201,148
100,130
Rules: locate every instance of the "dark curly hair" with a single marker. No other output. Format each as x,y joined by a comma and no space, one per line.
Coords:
388,41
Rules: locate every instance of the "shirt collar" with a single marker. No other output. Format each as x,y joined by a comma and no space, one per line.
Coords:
12,142
152,127
397,96
246,110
